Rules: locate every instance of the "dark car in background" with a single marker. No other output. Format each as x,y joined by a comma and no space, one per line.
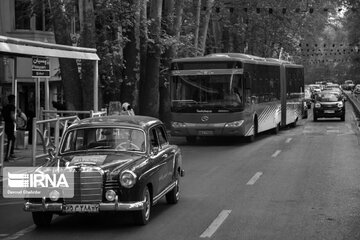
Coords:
120,163
329,104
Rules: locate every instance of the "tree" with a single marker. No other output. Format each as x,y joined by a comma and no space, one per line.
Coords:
69,69
87,39
149,97
130,84
172,20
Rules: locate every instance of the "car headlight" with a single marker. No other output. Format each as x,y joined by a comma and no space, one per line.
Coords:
127,179
177,124
340,104
234,124
317,105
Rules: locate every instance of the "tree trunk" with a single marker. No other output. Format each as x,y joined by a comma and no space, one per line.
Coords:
197,25
69,69
203,36
150,97
87,39
143,54
129,88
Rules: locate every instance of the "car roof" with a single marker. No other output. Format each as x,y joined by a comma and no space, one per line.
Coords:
137,121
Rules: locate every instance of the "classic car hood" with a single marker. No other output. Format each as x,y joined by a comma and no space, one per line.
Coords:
104,161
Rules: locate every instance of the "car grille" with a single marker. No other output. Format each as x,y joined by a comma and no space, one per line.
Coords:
111,184
87,187
329,106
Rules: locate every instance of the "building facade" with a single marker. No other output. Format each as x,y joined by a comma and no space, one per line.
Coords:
21,19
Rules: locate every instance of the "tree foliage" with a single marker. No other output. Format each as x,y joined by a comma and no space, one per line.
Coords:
299,31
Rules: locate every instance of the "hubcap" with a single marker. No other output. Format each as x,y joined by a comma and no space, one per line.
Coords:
147,205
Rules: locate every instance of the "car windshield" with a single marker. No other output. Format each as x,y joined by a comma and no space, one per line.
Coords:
328,97
104,139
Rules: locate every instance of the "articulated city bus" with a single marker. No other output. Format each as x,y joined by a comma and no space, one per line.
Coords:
232,94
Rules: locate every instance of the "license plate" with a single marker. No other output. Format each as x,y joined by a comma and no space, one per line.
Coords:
329,111
206,132
81,208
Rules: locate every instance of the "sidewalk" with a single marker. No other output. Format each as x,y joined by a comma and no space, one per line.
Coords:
24,158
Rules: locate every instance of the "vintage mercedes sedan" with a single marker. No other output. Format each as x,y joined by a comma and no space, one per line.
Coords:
120,163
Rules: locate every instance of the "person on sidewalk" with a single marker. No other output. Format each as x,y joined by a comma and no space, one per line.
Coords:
8,114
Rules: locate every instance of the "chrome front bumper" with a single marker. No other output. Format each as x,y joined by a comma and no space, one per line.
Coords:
60,207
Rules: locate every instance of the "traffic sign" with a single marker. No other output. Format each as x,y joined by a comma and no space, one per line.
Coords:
40,67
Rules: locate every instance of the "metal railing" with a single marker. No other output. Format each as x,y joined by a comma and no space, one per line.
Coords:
49,131
42,129
354,99
48,114
2,142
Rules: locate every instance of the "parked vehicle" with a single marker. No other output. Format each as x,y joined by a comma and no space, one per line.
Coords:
121,163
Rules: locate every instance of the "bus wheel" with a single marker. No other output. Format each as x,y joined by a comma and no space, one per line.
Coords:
191,139
253,137
294,123
277,128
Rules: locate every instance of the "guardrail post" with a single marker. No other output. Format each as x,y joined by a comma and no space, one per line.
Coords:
57,133
34,142
2,142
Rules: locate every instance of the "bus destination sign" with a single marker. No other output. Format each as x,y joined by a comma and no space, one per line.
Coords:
40,67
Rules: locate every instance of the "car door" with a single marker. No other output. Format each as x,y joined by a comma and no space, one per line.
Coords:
161,156
167,155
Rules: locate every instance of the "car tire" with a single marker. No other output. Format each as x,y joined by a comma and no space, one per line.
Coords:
342,118
173,196
142,217
315,118
42,219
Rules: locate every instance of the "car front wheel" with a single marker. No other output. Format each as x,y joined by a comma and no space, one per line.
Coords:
142,217
42,219
342,118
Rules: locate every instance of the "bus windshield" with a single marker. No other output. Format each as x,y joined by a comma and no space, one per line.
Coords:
207,92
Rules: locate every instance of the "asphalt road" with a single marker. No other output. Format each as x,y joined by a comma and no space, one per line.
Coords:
303,183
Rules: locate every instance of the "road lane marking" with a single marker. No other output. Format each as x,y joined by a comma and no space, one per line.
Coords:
254,178
276,153
215,224
4,234
20,233
288,140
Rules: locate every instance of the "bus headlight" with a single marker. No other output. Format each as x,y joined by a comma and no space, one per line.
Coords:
127,179
234,124
178,124
317,105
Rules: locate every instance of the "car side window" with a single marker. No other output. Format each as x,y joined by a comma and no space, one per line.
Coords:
162,136
153,139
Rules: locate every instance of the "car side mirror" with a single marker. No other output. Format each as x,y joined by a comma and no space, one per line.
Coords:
155,150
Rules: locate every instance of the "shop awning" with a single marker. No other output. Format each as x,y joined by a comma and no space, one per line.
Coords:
22,47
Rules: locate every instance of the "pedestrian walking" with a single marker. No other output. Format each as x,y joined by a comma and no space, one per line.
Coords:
8,114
